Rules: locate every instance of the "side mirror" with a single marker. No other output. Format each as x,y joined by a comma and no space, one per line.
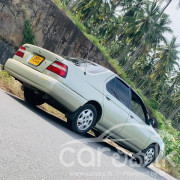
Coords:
151,122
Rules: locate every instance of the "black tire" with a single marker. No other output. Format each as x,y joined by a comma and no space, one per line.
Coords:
75,122
32,98
142,159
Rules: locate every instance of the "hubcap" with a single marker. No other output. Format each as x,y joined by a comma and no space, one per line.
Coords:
149,156
85,119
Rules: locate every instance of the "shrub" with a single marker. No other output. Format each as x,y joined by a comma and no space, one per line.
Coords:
29,36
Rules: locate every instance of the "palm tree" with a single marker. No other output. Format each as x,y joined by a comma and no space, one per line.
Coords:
154,40
143,40
90,9
137,23
110,13
174,112
168,56
174,81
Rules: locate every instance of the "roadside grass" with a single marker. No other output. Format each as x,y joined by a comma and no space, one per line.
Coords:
167,167
9,84
53,111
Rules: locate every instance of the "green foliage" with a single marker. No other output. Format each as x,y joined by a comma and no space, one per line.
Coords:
29,36
77,22
4,74
154,104
172,144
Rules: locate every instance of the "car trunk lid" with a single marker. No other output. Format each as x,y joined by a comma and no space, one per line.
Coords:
35,57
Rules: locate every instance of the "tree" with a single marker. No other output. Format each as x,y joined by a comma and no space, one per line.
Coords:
143,40
168,56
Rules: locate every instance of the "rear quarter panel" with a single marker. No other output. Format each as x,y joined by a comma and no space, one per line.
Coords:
89,86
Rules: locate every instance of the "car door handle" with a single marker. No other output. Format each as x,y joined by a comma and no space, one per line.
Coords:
108,98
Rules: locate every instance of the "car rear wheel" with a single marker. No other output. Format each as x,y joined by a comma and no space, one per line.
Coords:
32,98
84,119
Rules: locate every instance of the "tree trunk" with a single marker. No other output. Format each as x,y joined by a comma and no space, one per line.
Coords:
173,113
135,54
109,41
168,92
69,5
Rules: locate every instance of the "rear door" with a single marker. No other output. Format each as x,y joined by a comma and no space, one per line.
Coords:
136,132
116,103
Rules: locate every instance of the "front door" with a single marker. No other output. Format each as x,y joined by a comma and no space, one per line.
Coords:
136,132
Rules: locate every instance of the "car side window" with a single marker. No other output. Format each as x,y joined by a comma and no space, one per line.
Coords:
136,106
110,86
119,90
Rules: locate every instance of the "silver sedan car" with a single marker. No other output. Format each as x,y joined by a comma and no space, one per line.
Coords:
90,95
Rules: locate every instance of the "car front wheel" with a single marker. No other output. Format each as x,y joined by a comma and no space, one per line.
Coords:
84,119
147,156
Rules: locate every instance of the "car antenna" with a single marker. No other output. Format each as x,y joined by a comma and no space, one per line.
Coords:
87,58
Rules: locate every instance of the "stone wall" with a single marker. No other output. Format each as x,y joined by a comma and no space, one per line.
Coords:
6,50
53,29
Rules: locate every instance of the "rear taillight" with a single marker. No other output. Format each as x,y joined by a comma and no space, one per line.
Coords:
58,68
20,52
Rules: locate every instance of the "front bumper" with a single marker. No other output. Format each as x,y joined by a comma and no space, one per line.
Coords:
159,157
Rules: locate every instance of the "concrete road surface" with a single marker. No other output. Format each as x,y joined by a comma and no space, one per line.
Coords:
37,145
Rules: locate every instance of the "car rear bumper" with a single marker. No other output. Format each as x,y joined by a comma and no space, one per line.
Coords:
67,97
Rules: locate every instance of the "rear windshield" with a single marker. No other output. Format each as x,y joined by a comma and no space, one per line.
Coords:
88,65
